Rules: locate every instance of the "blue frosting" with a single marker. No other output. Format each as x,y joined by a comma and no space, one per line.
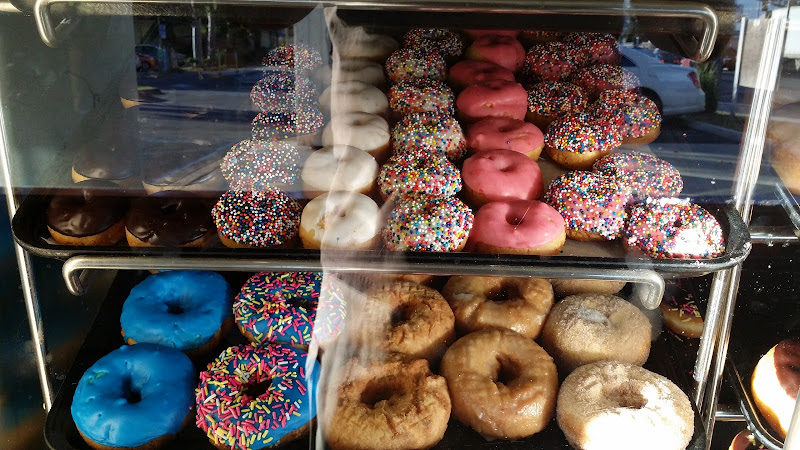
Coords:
134,395
180,309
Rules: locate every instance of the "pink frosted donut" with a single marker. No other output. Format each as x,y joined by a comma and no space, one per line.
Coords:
601,77
493,98
421,95
644,174
526,227
550,100
504,51
418,175
577,140
636,116
446,42
553,61
503,133
429,133
600,48
408,63
497,175
428,225
475,34
469,72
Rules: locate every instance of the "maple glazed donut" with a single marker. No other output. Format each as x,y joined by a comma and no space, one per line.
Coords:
429,134
522,227
502,384
518,304
366,131
428,225
644,174
469,72
92,212
352,96
446,42
421,95
610,404
550,100
492,98
418,175
498,175
577,140
340,220
775,384
505,51
339,168
636,115
260,219
495,133
408,63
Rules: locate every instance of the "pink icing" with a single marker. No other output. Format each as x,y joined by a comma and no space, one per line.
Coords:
475,34
505,51
493,98
516,224
503,175
470,72
504,133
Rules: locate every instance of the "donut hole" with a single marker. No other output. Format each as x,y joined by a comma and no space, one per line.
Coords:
627,396
507,371
504,292
513,219
256,390
401,315
381,389
129,393
174,308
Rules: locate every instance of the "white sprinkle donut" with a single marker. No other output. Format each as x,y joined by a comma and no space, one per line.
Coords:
366,131
339,220
339,168
354,95
428,225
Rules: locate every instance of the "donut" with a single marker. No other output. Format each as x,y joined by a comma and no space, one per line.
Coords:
297,58
673,228
518,304
428,225
644,174
680,312
775,383
499,175
256,165
549,100
256,219
529,38
169,219
610,404
468,72
339,168
502,384
576,140
281,91
593,206
182,309
408,63
368,132
636,115
136,395
492,98
429,134
418,175
102,158
600,48
585,328
191,166
340,220
393,404
302,124
232,417
364,70
552,61
475,34
356,43
446,42
601,77
523,227
564,287
90,213
502,133
505,51
421,95
745,440
352,96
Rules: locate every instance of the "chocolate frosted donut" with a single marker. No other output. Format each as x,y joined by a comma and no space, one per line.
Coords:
184,166
90,213
775,383
169,219
106,159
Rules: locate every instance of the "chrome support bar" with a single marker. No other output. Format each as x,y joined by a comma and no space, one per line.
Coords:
773,236
729,413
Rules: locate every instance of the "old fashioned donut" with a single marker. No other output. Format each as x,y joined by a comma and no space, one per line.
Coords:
511,303
428,225
549,100
90,213
366,131
775,383
564,287
408,63
495,133
552,61
353,96
576,140
446,42
256,219
503,385
523,227
505,51
254,165
418,175
339,168
492,98
468,72
610,404
429,134
586,328
421,95
340,220
645,175
499,175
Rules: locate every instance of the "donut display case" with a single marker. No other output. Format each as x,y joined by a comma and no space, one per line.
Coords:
424,224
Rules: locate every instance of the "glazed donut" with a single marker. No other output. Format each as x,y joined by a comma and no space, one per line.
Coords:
505,51
404,317
600,48
418,175
339,168
552,61
401,404
181,309
365,131
775,382
421,95
564,287
522,227
494,133
281,91
169,219
352,96
502,385
585,328
745,441
281,414
576,140
518,304
90,213
428,225
297,58
340,220
636,115
446,42
610,404
468,72
356,43
499,175
364,70
601,77
680,312
302,124
408,63
549,100
256,165
429,134
593,206
256,219
644,174
492,98
134,396
672,228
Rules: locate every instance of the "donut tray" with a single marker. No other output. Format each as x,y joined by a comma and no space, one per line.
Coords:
104,336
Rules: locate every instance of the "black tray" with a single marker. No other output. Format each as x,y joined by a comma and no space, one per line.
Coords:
104,336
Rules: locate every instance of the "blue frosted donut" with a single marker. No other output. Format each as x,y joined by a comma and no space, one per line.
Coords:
181,309
134,395
233,416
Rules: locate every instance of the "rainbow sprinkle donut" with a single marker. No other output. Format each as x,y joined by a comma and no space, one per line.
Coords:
429,133
635,115
429,225
281,91
446,42
256,218
419,175
275,126
300,58
601,77
408,63
555,98
644,174
234,418
257,165
421,95
600,48
552,61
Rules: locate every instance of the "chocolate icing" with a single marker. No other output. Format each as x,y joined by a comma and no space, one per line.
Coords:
787,365
88,208
182,164
112,158
169,218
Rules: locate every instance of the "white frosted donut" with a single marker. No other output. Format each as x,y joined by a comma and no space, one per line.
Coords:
354,95
339,168
363,70
366,131
609,404
339,220
355,43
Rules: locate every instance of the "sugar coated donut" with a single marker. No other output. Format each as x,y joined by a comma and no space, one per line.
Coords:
552,61
745,441
549,100
505,51
354,95
610,404
339,168
492,98
600,48
340,220
518,304
428,225
469,72
256,219
446,42
576,140
775,382
601,77
401,404
408,63
298,58
429,134
419,175
524,227
498,175
680,312
369,72
255,165
502,384
672,228
593,206
280,91
494,133
356,43
279,415
90,213
134,396
644,174
636,115
585,328
366,131
300,124
421,95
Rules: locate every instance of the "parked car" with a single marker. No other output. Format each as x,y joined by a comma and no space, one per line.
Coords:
674,88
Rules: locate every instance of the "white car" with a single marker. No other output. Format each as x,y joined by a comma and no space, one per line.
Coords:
674,88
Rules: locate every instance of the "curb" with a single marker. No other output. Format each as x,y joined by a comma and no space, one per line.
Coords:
725,133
